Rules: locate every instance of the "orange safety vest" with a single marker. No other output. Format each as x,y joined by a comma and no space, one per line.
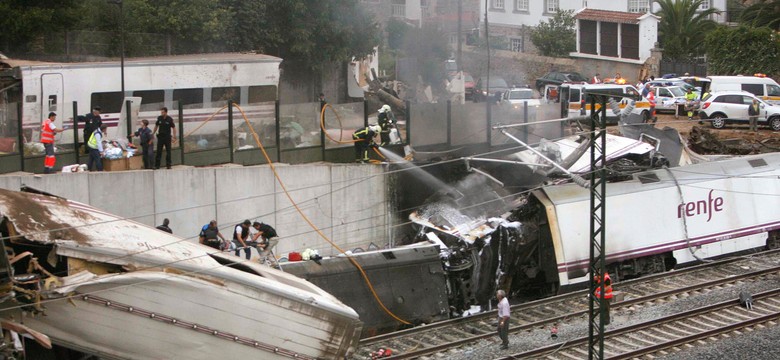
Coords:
607,287
47,133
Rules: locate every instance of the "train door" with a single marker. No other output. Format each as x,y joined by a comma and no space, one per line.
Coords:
51,97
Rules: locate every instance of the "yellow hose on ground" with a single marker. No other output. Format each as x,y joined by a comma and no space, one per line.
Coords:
311,224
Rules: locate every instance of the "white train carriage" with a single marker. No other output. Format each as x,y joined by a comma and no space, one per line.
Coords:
110,287
666,217
201,83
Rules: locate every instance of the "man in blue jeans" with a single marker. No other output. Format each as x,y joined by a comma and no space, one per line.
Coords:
95,146
241,239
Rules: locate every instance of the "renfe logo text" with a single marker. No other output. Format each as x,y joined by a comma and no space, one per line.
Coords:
708,206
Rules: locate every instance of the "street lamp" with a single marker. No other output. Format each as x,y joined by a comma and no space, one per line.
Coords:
122,54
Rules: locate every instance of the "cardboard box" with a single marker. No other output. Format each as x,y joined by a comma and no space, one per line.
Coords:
135,163
115,165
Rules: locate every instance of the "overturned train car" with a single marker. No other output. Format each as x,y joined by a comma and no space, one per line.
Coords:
657,220
87,282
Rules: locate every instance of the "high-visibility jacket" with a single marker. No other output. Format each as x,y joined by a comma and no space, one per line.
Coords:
94,141
607,287
47,132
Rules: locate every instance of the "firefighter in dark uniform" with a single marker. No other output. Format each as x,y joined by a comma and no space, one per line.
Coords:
364,138
386,120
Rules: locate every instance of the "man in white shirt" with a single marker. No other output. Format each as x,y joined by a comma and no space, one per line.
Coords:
503,319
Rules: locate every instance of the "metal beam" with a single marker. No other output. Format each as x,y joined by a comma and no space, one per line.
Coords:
597,266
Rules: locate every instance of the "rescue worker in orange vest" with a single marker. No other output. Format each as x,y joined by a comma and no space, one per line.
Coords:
651,99
47,138
607,293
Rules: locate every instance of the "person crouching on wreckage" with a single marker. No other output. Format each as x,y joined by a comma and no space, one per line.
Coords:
364,138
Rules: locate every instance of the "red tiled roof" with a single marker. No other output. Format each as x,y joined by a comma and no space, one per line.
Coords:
609,16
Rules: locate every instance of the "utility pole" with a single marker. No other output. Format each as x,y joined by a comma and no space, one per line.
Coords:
122,58
460,35
598,188
487,78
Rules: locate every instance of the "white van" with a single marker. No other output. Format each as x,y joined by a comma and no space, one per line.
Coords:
572,93
762,87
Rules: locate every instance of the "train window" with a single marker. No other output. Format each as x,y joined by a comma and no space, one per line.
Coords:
258,94
189,98
109,102
31,98
223,94
52,102
150,96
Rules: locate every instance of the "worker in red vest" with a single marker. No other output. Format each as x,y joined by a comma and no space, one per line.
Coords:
47,138
607,292
651,99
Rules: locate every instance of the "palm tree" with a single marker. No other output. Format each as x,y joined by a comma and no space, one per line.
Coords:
683,27
764,13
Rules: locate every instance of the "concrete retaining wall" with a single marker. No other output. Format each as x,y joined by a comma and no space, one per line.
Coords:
348,202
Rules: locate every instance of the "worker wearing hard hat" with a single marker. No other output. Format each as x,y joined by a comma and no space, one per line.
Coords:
364,138
386,120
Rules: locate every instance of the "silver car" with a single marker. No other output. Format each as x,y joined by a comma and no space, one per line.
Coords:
517,96
668,97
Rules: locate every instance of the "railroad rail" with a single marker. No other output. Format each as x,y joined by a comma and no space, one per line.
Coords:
445,335
658,335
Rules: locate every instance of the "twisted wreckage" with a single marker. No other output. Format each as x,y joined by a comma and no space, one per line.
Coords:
77,278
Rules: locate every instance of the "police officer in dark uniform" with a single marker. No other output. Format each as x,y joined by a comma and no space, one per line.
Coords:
166,126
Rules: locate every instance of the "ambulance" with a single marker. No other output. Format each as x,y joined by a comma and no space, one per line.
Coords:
579,106
761,86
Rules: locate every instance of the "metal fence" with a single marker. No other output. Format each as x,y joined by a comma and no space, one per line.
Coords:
218,133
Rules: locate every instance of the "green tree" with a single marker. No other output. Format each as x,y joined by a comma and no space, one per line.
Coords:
556,37
23,21
305,33
743,50
683,28
763,13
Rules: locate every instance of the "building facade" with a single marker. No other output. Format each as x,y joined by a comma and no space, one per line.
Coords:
513,20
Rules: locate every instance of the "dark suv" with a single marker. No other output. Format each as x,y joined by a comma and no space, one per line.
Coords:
497,85
558,78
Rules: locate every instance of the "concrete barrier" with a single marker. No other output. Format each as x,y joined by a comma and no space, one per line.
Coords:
348,202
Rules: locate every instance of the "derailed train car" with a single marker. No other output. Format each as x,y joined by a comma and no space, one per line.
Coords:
91,282
657,220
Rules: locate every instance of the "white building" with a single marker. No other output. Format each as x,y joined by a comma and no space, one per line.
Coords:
615,35
513,19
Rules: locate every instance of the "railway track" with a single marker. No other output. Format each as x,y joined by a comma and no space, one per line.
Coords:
660,335
445,335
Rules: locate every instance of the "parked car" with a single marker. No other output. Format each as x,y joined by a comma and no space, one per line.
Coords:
675,82
667,98
469,85
517,96
728,107
761,86
497,85
558,78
